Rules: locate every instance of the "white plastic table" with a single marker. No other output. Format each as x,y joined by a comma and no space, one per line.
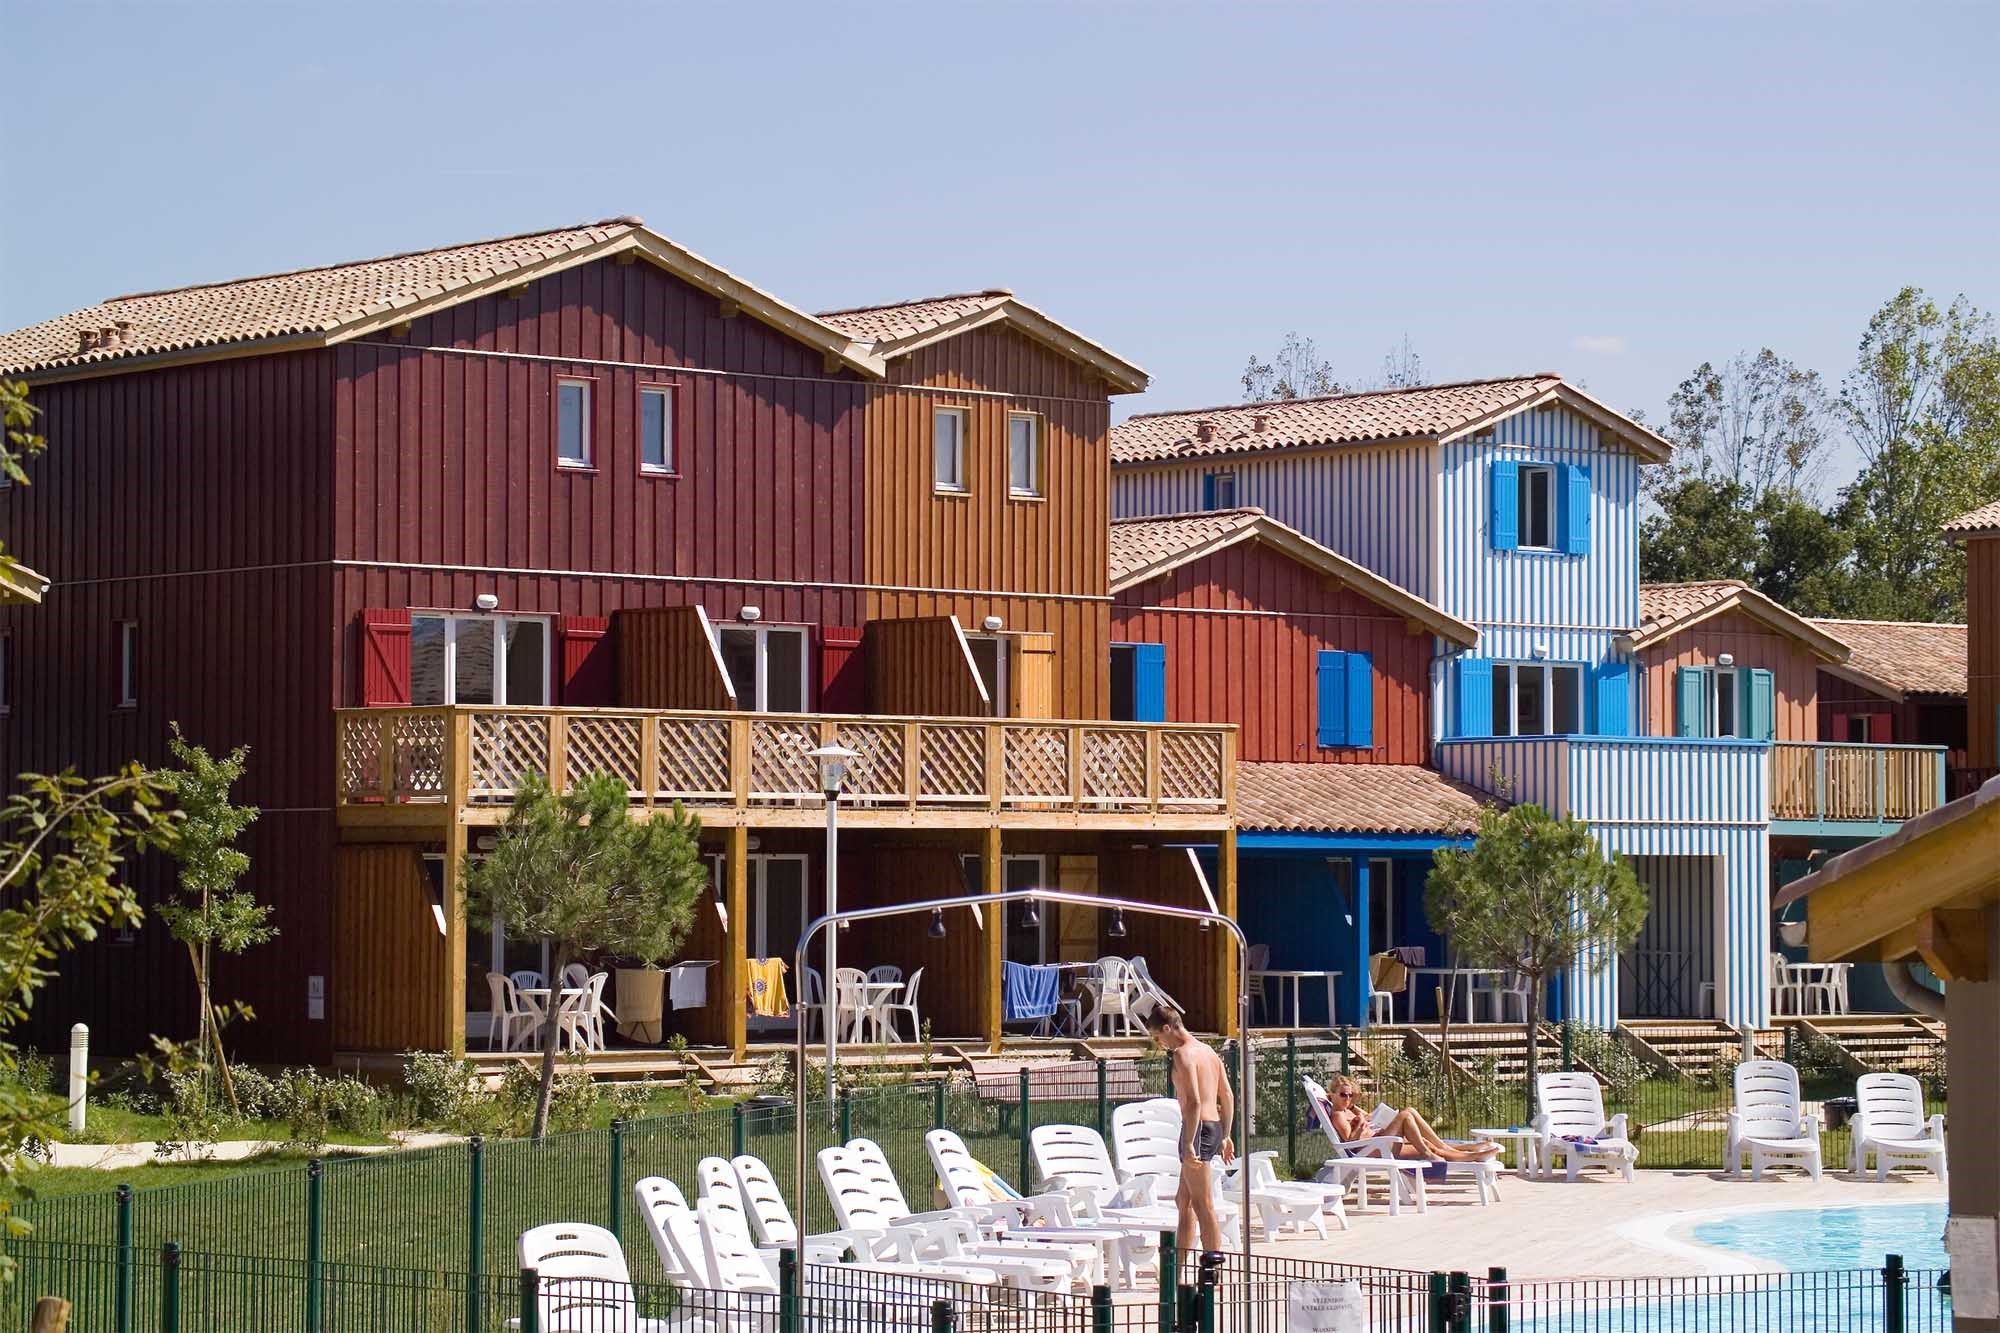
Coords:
550,1014
1527,1145
1295,976
874,995
1460,993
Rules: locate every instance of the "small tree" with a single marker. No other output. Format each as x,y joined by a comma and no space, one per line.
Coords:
580,872
1534,895
213,915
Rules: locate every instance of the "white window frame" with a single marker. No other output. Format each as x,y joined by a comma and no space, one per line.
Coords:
1215,490
1548,670
1715,712
1008,860
128,664
665,393
956,484
1524,508
761,635
996,689
1033,489
588,458
453,619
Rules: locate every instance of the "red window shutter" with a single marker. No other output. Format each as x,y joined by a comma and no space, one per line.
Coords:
840,683
1880,727
385,656
585,658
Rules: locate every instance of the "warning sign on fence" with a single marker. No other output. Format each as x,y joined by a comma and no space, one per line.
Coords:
1326,1307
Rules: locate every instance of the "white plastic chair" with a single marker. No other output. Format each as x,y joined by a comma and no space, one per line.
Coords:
1500,993
1574,1127
585,1285
575,976
1142,984
508,1012
1785,988
886,1014
850,1012
1111,997
1146,1136
1259,987
576,1014
1889,1122
1073,1159
1768,1123
885,972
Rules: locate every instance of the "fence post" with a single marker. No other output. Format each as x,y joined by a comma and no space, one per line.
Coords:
1027,1187
739,1140
941,1321
1895,1282
1343,1051
315,1241
170,1288
122,1285
1170,1281
1439,1305
531,1301
1103,1099
1100,1310
1498,1301
1790,1029
1292,1100
1569,1048
1205,1294
788,1291
475,1228
846,1115
1460,1298
617,1180
937,1105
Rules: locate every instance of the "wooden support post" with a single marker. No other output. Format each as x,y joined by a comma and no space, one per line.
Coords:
913,749
558,751
993,874
649,759
996,765
457,776
1225,902
739,761
1953,944
736,900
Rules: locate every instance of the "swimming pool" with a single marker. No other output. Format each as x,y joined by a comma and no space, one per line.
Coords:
1854,1237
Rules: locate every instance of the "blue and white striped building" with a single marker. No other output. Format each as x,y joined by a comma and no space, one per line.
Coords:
1513,505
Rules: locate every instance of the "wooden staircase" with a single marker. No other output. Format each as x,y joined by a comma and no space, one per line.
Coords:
1890,1043
1691,1047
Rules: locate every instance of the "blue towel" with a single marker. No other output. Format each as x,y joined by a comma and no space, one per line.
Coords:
1027,992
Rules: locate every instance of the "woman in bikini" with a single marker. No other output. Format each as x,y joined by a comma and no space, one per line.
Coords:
1419,1140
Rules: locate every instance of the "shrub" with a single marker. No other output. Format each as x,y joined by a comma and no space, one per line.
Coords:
1614,1061
442,1090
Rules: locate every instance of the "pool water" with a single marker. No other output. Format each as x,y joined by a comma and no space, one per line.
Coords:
1803,1238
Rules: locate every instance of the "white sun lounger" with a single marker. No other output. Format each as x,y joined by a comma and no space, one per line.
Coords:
1768,1124
1890,1124
1573,1126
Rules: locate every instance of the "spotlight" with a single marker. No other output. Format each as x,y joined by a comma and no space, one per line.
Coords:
937,923
1030,918
1117,927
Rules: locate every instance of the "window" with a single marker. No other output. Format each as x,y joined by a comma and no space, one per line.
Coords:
1538,505
478,660
1218,490
948,448
1728,710
1138,682
1537,699
573,423
1024,454
766,666
128,664
1735,702
1345,686
989,655
1026,944
656,430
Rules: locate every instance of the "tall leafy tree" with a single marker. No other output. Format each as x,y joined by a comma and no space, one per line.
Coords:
1533,895
19,443
1700,528
577,870
1296,371
1757,422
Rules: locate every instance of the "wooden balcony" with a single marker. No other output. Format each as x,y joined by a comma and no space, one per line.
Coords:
1858,789
412,765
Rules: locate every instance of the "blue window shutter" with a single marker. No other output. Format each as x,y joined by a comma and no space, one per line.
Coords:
1360,700
1149,682
1475,697
1208,490
1761,699
1610,697
1504,481
1332,698
1691,702
1576,509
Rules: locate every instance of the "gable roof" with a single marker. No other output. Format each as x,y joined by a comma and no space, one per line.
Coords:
315,307
1898,657
1142,549
1665,609
902,327
1983,521
1355,798
1440,412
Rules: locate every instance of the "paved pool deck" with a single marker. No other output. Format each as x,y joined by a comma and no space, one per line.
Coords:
1599,1227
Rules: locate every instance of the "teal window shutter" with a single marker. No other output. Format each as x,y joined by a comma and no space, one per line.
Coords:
1610,699
1504,481
1760,705
1332,698
1691,687
1576,509
1149,682
1475,697
1360,700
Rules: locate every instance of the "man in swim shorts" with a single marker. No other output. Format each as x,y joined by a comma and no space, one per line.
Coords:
1208,1109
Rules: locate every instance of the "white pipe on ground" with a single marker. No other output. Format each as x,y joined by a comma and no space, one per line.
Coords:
79,1074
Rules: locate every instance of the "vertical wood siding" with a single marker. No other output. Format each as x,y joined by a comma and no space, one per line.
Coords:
1338,497
1243,629
1982,653
917,668
665,660
1794,671
965,554
389,959
1183,958
1840,699
888,872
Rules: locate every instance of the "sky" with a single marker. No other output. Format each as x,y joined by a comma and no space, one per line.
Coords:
1617,193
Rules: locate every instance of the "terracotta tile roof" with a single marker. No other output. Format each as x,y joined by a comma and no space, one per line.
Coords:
305,301
1139,542
1909,656
904,319
1353,418
1667,608
1986,518
1354,798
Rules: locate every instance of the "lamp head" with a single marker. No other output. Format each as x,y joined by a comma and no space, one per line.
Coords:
1116,930
937,923
833,763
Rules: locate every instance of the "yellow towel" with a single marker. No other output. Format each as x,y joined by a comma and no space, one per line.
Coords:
764,988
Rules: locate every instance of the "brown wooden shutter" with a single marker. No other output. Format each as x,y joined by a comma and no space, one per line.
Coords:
842,687
585,657
385,656
1881,728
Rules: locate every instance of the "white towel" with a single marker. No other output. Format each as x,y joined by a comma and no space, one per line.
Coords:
687,985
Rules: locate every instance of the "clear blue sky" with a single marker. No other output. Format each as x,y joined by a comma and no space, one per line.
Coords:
1615,195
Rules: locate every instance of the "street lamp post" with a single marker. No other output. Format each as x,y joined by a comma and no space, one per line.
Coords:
833,759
